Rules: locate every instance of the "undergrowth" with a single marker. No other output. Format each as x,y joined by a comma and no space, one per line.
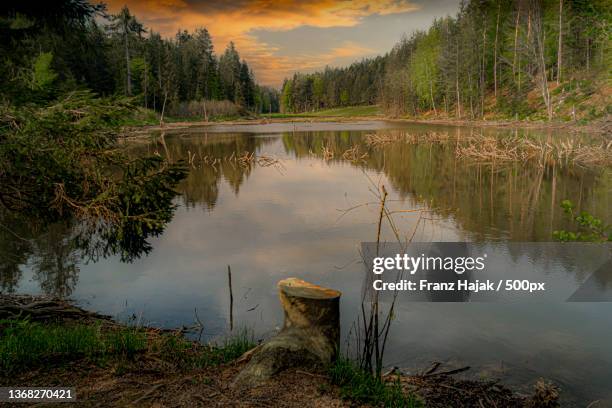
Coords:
27,345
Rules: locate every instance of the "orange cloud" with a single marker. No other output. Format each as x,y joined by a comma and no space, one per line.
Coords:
234,21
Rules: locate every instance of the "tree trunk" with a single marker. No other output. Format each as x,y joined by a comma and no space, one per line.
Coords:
457,80
145,84
516,27
483,71
127,64
433,102
161,118
588,54
560,50
310,335
495,51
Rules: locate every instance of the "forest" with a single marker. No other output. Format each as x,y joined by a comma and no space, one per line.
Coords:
45,56
518,59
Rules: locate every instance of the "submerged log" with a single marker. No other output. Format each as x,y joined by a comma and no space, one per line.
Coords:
310,335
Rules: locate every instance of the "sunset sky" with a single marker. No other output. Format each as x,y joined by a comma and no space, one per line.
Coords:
278,38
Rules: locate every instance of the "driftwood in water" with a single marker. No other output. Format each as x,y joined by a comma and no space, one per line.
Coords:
310,335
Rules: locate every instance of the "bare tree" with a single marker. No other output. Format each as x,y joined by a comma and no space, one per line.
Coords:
533,47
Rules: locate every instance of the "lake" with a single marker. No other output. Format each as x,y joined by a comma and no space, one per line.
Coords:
300,202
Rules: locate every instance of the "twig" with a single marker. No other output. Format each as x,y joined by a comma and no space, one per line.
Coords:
231,294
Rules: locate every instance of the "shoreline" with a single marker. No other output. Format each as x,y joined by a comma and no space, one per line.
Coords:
164,367
603,126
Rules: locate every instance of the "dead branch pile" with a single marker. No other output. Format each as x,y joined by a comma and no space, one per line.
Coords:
43,309
354,154
441,390
489,149
328,152
377,140
569,151
245,160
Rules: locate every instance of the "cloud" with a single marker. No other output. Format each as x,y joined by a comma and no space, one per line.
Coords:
236,20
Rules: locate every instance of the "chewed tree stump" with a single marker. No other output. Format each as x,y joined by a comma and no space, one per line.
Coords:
310,335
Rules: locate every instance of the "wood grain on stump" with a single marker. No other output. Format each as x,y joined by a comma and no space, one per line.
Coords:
310,335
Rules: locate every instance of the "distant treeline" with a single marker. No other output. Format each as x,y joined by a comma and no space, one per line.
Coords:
486,58
114,54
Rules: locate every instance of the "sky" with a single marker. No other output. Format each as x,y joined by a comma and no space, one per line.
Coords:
280,37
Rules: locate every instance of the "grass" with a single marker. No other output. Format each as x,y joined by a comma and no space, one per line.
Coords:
362,387
185,354
348,111
26,345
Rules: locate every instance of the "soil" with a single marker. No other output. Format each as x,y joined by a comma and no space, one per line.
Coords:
149,383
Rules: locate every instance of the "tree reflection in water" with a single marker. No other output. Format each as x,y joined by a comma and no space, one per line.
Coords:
490,201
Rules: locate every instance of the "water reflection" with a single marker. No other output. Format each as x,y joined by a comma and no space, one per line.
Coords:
516,201
53,255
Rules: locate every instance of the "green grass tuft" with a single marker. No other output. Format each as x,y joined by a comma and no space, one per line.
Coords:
188,355
25,344
360,386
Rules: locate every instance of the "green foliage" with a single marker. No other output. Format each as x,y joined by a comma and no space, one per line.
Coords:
26,345
588,227
61,162
485,59
43,75
111,54
349,111
423,67
287,97
344,97
362,387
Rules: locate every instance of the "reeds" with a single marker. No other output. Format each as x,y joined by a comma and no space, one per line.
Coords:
380,139
486,148
513,149
244,160
328,152
354,154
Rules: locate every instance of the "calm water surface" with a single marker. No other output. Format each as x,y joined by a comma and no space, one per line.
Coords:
271,221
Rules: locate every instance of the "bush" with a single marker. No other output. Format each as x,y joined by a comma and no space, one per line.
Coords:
61,162
588,227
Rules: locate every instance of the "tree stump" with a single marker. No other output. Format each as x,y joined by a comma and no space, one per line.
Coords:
310,335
